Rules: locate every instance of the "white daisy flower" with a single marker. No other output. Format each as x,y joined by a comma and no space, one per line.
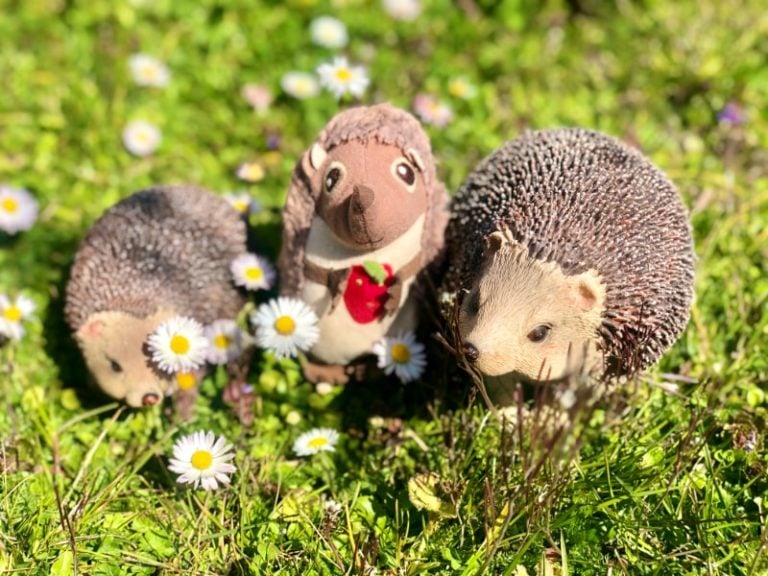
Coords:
18,209
12,313
242,202
293,417
149,71
462,88
225,341
402,9
178,345
250,172
141,138
258,96
300,85
285,326
324,388
202,460
567,399
316,440
252,272
402,354
341,78
328,32
331,507
431,111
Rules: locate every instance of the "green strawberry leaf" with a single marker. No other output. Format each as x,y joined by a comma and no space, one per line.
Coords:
376,271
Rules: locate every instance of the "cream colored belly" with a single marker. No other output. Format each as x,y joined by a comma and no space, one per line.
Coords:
342,339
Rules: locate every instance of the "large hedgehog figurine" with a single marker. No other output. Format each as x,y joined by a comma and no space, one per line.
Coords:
570,253
365,213
159,253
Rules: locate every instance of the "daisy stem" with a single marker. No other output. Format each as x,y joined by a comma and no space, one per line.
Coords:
328,469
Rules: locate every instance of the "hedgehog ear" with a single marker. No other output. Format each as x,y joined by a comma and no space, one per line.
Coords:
494,242
586,290
91,330
316,155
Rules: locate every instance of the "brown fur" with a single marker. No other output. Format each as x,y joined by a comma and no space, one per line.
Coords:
366,190
382,123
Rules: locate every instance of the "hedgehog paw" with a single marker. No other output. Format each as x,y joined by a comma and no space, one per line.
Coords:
331,373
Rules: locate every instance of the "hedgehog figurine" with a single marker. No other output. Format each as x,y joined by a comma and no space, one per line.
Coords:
365,213
570,253
161,252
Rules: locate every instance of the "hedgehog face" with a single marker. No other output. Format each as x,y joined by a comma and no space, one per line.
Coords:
524,319
368,193
113,344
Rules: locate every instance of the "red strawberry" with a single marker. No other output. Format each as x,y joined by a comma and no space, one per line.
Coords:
365,296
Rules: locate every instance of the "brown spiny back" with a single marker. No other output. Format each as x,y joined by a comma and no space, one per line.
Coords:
586,201
167,246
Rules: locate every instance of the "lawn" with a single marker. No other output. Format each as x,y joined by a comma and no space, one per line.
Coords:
667,475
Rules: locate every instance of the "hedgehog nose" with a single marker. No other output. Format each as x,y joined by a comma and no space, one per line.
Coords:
362,198
471,352
150,399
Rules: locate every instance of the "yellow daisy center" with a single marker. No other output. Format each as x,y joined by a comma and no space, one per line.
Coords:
185,380
318,442
179,344
253,172
12,313
400,353
149,71
201,459
10,205
241,205
343,75
285,325
143,137
221,341
254,273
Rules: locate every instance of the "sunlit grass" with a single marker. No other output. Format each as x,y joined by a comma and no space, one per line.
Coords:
666,476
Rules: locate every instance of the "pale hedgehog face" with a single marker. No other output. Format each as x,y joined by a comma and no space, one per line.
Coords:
525,319
114,347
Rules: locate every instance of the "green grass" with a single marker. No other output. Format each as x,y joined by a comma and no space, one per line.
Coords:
651,482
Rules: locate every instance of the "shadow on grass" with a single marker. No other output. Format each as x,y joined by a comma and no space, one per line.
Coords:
441,389
60,345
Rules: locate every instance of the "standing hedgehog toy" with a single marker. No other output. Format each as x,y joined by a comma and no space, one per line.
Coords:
365,213
159,253
573,254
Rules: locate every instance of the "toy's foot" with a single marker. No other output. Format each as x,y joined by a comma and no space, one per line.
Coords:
332,373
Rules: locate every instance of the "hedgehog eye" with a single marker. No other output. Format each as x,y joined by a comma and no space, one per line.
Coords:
540,333
115,365
404,172
333,176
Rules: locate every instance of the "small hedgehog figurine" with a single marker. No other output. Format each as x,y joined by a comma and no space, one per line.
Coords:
571,253
365,213
159,253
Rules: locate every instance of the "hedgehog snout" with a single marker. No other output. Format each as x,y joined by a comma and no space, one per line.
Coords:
361,199
150,399
360,217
